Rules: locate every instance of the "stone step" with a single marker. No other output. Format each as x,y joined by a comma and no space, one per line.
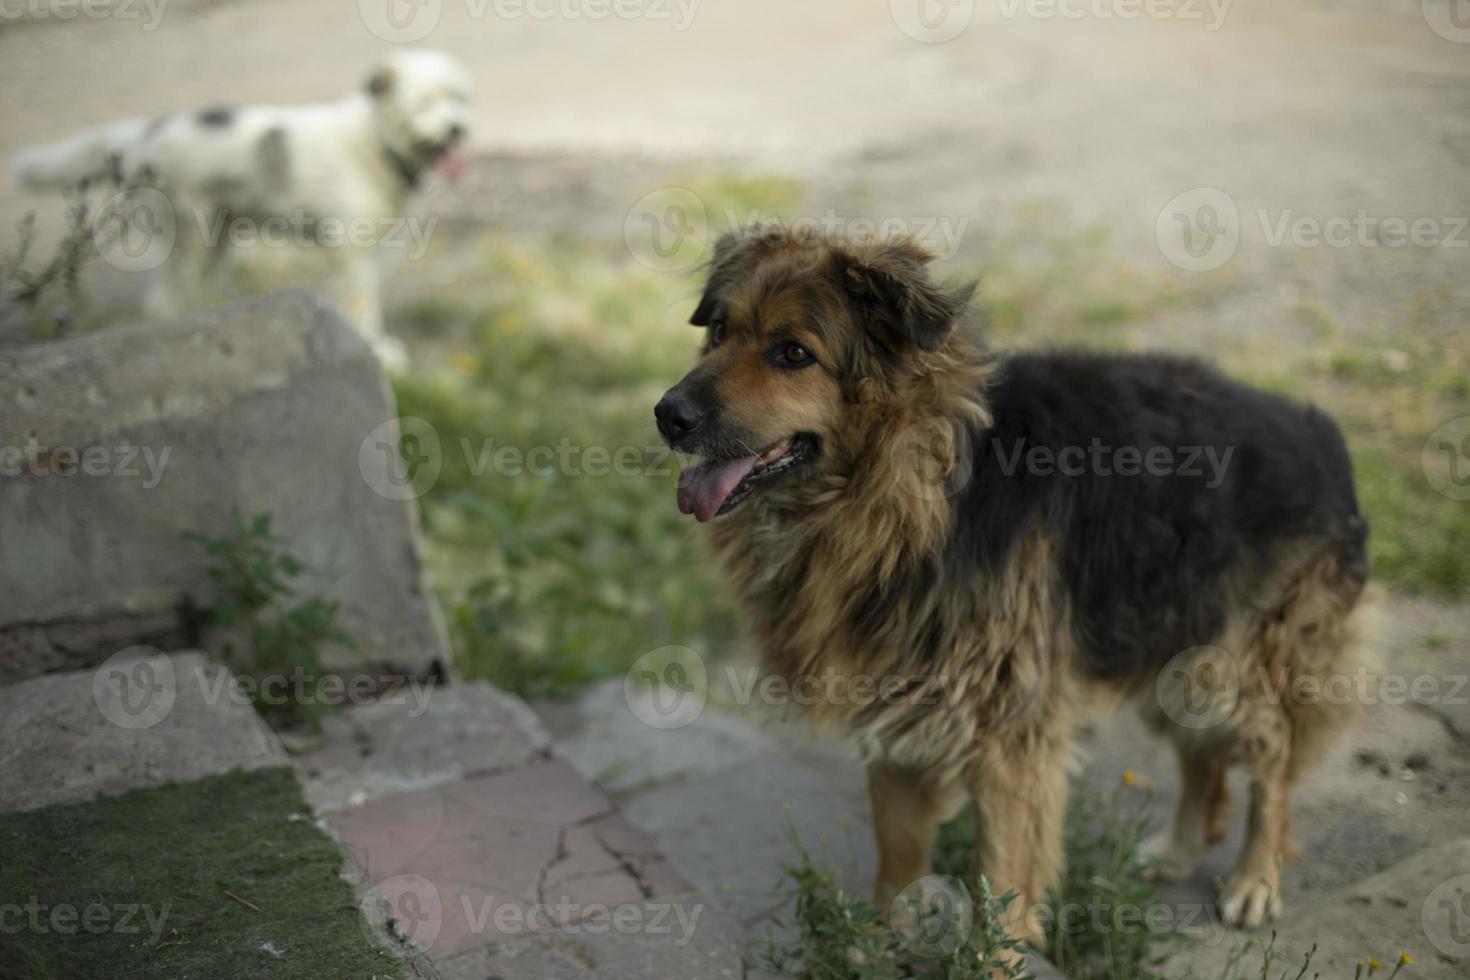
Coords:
140,719
129,436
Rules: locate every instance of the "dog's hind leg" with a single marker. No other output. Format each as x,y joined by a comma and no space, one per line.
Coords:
1197,814
1292,702
908,807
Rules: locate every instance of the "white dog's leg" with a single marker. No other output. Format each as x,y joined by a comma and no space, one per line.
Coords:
178,284
364,307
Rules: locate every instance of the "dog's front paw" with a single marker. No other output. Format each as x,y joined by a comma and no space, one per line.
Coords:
1168,859
1248,901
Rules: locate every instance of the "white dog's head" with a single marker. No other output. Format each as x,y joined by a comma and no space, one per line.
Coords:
421,99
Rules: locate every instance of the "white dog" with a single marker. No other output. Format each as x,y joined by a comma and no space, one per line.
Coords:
332,173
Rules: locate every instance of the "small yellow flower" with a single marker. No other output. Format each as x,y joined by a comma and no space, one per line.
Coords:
1373,966
1406,959
1129,777
465,363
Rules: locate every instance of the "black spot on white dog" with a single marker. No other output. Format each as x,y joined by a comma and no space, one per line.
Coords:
216,118
273,158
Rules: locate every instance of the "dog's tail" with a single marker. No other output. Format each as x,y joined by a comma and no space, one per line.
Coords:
85,156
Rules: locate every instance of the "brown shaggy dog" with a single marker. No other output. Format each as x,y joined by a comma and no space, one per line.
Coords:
966,550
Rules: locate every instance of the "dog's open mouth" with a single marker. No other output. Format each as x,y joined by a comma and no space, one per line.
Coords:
715,487
447,157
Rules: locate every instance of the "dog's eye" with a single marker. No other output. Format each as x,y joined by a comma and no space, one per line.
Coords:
795,354
716,333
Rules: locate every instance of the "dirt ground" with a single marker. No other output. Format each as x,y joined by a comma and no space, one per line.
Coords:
1298,110
1322,107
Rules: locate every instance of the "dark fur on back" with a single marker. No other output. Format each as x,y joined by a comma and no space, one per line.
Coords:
1144,557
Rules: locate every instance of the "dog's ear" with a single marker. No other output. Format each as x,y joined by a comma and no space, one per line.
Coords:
732,254
380,82
891,279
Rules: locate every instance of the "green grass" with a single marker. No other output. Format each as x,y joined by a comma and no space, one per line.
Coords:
268,629
565,566
1104,872
952,934
178,853
838,936
1116,930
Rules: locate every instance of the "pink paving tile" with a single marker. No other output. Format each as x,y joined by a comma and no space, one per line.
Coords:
583,855
581,897
661,879
492,858
622,838
548,792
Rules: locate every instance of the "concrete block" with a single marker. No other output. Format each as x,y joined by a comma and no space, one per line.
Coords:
601,734
136,721
728,833
419,737
114,443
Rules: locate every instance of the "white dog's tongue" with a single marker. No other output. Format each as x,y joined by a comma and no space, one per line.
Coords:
703,488
451,163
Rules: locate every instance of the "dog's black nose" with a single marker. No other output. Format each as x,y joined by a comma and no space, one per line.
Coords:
677,416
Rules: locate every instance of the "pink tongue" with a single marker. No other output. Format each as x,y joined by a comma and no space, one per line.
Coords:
451,163
703,488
